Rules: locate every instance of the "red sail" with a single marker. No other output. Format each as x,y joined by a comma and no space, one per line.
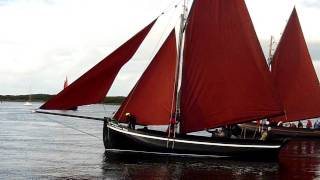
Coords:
225,78
151,100
93,86
294,75
65,84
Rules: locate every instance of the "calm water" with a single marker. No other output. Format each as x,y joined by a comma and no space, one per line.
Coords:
36,146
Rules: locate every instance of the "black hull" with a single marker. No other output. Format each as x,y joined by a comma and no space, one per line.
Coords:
119,139
284,132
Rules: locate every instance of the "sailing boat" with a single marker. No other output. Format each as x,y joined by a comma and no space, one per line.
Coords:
28,102
65,85
296,81
216,77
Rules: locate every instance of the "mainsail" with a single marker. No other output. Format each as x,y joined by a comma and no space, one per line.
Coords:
225,79
294,75
93,86
151,101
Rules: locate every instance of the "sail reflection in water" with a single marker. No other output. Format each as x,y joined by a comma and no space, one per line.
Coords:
300,159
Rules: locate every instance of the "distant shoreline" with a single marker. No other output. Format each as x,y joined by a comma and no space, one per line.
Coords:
46,97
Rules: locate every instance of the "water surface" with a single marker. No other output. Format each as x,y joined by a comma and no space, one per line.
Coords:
36,146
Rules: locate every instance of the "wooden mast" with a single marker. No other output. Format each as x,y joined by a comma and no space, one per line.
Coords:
183,19
270,52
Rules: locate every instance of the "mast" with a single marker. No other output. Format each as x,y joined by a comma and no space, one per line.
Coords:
270,51
183,20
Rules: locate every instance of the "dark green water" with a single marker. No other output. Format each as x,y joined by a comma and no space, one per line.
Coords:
36,146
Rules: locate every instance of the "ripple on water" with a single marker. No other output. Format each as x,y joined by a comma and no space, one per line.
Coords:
34,146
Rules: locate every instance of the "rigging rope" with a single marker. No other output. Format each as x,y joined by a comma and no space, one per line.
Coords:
104,108
170,6
68,126
168,9
152,54
175,94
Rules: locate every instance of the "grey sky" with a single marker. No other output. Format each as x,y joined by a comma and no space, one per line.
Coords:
312,3
42,41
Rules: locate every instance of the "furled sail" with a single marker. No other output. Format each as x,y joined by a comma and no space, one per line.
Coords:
93,86
225,78
294,75
151,101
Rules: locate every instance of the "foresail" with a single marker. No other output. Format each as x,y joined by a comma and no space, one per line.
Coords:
294,75
93,86
151,101
225,78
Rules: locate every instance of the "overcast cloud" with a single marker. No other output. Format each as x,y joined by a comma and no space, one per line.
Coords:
311,3
42,41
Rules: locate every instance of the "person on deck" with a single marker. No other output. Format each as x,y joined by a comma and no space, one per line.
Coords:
309,124
264,135
300,125
235,130
132,121
280,124
225,131
316,125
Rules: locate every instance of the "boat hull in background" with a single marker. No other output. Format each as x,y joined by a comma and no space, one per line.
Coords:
118,139
27,103
284,132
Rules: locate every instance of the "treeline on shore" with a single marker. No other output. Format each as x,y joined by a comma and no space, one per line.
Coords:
45,97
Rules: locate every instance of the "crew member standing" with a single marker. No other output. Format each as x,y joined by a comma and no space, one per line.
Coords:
309,124
132,121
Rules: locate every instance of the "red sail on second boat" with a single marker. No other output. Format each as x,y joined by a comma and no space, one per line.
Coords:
294,75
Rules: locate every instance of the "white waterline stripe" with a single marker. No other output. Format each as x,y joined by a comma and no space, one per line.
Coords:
163,153
196,142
